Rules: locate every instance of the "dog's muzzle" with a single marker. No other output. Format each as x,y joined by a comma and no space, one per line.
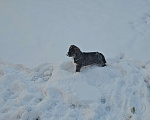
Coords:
67,54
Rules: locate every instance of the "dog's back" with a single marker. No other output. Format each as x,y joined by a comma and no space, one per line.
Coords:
90,58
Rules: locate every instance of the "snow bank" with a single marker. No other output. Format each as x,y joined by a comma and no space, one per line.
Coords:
55,92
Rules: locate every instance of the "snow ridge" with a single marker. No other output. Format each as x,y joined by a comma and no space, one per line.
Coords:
55,92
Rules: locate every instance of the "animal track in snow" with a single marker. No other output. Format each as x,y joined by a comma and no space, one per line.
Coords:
142,25
147,19
147,81
31,116
1,73
43,71
47,75
103,100
108,108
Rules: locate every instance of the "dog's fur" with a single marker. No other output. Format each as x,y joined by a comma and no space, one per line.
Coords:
84,59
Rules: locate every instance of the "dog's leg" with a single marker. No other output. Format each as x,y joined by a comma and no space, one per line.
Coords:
102,65
78,67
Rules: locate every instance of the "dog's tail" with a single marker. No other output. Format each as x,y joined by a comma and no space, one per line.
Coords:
106,64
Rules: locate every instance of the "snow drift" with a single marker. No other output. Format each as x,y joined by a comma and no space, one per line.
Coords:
55,92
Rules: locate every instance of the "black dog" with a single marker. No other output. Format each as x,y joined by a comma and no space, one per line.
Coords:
84,59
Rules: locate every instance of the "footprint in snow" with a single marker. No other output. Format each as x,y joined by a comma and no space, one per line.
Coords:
1,73
108,108
103,100
147,81
141,25
43,72
47,75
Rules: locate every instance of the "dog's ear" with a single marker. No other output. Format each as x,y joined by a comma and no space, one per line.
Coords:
77,50
72,46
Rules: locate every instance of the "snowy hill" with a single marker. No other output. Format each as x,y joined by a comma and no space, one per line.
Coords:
55,92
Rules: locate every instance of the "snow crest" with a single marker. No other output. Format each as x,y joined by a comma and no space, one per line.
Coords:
56,92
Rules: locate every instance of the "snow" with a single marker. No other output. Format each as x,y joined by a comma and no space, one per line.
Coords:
37,79
56,92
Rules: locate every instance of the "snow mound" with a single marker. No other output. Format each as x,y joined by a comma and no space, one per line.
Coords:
56,92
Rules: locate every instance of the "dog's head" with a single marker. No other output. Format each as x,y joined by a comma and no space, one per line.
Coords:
73,51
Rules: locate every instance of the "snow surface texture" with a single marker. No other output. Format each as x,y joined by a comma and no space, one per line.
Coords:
38,31
55,92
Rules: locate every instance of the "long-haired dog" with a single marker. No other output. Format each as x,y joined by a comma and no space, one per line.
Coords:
84,59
